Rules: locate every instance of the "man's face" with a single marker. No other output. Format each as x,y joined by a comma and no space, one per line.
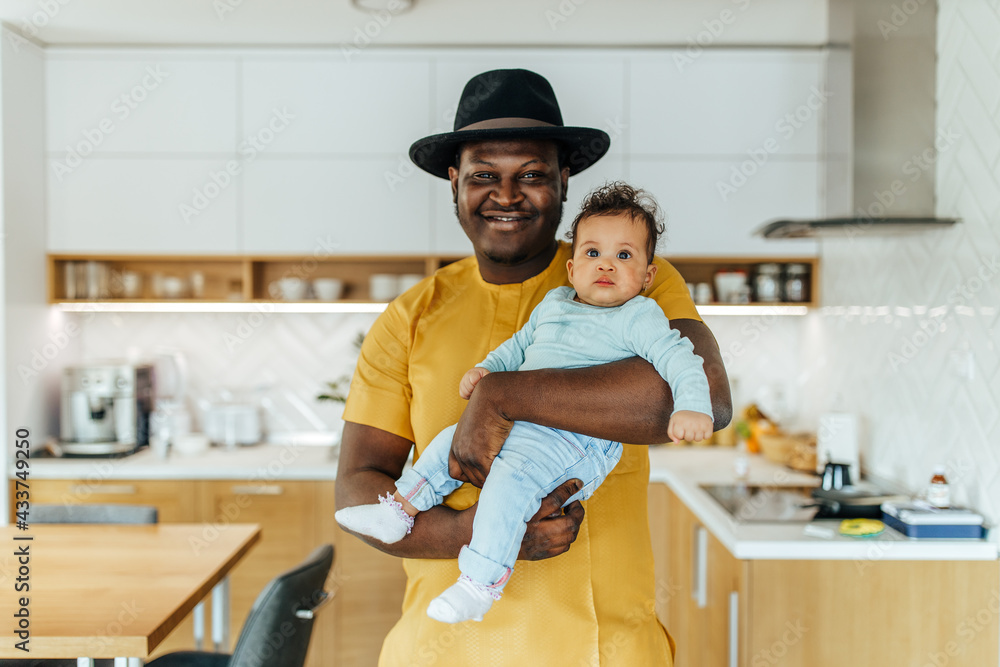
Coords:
508,197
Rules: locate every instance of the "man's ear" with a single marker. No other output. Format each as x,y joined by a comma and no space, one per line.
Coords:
453,177
564,177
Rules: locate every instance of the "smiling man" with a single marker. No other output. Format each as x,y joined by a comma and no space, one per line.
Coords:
584,592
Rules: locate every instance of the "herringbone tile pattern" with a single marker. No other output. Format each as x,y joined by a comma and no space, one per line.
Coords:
906,320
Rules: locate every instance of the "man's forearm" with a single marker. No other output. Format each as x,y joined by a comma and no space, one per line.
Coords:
370,462
617,401
626,400
439,532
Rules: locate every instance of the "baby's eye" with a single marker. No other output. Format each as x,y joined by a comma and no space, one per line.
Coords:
624,254
592,253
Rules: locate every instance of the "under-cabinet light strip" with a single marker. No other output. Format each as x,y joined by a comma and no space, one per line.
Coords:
744,310
219,307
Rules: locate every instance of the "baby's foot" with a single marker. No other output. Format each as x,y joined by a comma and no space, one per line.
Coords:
386,521
463,601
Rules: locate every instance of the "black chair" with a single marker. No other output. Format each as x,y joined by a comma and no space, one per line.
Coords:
278,629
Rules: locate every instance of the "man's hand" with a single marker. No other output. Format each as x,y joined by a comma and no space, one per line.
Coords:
480,435
470,380
551,531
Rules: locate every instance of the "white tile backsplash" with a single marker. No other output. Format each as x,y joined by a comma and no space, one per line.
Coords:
908,336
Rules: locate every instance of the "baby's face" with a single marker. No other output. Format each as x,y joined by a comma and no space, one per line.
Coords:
609,264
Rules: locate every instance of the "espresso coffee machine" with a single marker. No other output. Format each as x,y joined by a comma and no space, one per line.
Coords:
105,408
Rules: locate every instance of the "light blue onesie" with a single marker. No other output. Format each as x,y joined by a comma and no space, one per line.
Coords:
560,333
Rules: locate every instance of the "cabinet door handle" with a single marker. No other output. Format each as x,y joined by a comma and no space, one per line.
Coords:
734,629
699,573
110,489
257,489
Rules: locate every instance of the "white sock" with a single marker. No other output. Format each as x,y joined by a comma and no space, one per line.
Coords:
465,600
385,521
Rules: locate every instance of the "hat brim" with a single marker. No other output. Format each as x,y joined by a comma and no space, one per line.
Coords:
584,146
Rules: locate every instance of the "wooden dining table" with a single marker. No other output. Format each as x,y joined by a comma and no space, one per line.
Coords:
108,591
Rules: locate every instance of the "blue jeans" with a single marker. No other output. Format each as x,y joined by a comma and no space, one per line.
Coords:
534,461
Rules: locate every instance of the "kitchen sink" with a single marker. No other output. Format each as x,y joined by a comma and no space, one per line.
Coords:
757,503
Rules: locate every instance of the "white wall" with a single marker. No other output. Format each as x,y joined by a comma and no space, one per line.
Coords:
430,23
28,397
909,332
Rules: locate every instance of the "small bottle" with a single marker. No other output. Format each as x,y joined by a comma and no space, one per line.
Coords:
938,493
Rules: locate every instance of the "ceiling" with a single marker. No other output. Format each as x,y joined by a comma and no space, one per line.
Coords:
430,22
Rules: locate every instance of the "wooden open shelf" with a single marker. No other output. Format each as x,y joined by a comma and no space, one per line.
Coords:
222,278
250,278
703,269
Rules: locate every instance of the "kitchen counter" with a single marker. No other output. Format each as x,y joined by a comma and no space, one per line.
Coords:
264,462
681,469
684,470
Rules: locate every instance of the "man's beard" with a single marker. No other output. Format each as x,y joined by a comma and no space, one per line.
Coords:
511,260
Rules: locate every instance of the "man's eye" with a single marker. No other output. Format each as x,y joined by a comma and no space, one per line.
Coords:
593,253
624,254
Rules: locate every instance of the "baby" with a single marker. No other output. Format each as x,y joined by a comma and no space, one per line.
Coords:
600,319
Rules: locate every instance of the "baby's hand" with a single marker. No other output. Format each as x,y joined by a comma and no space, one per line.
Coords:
470,380
689,425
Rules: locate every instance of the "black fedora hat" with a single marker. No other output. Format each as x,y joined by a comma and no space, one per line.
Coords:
509,104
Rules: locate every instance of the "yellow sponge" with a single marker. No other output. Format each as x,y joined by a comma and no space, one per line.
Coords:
861,527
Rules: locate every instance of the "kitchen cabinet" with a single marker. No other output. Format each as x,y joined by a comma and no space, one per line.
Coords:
142,205
877,611
138,102
334,102
227,278
252,278
294,516
342,205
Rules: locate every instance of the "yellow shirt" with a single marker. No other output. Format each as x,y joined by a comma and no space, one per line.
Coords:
593,605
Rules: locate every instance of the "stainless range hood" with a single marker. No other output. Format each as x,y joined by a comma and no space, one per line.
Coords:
850,227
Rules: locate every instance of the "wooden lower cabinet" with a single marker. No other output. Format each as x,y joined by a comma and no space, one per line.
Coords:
295,517
724,612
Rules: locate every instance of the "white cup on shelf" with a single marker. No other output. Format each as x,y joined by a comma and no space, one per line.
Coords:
383,286
328,289
292,289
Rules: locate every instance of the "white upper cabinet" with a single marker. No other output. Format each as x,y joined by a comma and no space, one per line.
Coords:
142,206
703,219
727,102
368,104
143,102
333,206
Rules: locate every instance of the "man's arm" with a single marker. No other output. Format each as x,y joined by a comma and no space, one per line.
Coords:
372,459
626,401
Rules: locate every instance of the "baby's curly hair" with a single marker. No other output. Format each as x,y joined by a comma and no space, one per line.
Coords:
619,198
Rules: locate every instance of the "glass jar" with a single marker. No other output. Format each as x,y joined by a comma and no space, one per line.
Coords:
796,286
767,284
